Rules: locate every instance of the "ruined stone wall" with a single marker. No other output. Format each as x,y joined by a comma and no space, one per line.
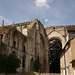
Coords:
73,48
57,32
32,43
66,61
44,49
36,40
31,46
73,54
19,39
35,31
49,74
38,74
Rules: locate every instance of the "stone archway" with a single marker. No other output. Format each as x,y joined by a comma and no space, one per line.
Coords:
55,46
32,64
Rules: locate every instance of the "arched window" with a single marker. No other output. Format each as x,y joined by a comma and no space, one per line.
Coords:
24,45
55,47
14,52
14,44
24,49
1,37
31,64
44,64
23,61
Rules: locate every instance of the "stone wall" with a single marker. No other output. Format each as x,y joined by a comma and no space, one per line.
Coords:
66,59
49,74
9,74
39,74
57,32
73,48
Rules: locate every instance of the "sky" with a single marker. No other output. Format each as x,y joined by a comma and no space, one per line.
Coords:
49,12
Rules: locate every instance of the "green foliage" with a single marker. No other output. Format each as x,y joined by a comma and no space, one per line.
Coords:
37,64
9,64
3,60
13,63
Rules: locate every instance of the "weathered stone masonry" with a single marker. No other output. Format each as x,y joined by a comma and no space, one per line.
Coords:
30,39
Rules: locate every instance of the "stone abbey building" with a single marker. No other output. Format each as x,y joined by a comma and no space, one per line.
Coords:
30,40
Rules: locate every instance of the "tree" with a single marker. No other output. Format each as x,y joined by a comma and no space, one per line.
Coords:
9,64
3,61
13,63
37,64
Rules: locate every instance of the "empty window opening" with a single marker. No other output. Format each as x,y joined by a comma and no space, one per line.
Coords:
54,58
31,64
14,44
1,37
23,62
24,49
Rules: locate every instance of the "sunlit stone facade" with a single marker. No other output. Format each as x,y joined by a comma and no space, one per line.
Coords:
30,40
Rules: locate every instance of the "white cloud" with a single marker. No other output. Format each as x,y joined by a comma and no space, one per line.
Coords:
6,20
46,20
41,3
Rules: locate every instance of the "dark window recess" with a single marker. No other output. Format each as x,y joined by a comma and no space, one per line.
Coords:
24,49
53,27
1,36
23,63
14,44
54,55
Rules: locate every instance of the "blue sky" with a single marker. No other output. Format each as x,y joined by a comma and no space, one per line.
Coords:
49,12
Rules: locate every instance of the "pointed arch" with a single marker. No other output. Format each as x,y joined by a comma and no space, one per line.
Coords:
55,46
32,64
23,61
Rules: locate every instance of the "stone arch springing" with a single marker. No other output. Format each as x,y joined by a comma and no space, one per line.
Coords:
55,46
32,64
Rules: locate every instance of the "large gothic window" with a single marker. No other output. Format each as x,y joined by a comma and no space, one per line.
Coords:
55,47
